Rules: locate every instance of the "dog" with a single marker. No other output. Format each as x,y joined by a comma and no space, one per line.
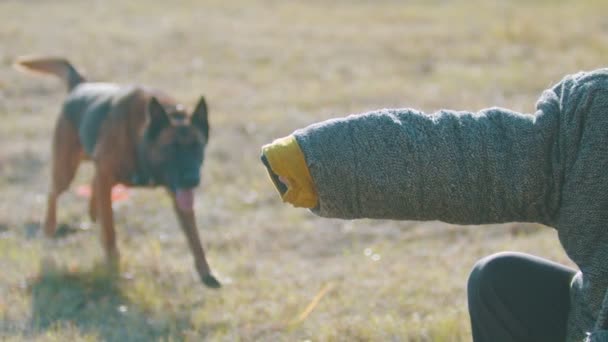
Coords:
134,135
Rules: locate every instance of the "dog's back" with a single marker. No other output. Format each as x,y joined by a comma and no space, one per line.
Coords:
88,106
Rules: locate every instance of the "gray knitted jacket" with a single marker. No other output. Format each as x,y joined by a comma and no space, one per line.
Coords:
478,168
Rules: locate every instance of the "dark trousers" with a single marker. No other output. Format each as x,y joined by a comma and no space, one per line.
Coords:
518,297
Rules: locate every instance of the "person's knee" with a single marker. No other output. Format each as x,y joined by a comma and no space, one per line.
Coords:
488,271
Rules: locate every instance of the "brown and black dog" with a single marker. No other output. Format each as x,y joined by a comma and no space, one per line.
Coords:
135,136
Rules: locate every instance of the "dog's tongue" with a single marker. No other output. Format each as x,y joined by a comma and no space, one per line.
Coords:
185,199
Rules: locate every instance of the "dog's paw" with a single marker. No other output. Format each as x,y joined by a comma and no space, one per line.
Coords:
210,281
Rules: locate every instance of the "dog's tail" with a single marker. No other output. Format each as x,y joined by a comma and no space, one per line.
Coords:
57,66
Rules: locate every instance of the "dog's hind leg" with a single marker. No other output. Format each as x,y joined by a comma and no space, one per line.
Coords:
66,156
93,202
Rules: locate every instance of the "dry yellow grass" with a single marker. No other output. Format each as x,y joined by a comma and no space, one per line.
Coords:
266,67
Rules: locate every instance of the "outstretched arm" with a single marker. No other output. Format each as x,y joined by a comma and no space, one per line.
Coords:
466,168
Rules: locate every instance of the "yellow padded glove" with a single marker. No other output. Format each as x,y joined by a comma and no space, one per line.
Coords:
287,168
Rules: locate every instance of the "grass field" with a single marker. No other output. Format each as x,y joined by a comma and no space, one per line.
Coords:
266,68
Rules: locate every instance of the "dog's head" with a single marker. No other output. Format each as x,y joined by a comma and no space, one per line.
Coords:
174,142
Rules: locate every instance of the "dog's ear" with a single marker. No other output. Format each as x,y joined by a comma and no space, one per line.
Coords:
199,117
158,118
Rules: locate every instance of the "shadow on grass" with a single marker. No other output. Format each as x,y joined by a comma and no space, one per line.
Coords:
92,302
32,230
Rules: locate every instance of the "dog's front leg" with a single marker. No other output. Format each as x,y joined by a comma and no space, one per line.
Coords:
102,191
187,222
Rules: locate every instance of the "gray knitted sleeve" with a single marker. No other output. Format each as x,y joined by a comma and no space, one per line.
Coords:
459,167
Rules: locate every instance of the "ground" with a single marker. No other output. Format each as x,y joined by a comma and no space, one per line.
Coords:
266,68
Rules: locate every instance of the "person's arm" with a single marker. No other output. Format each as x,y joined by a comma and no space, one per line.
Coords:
459,167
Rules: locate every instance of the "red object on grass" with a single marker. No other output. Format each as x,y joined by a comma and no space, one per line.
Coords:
119,192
